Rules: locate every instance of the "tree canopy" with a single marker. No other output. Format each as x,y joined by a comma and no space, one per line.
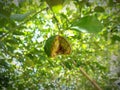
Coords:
90,29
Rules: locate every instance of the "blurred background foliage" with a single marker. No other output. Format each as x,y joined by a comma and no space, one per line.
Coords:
92,28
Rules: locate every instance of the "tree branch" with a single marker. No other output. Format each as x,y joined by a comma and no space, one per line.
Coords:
92,81
88,77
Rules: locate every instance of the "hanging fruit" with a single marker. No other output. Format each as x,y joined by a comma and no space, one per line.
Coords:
57,45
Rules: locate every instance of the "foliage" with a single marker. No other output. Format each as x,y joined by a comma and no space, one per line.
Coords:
87,24
25,25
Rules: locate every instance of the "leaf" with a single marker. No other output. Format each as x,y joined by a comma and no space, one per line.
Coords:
68,65
118,18
57,8
29,63
52,3
20,17
115,38
99,9
12,41
55,5
18,33
1,44
3,20
10,48
111,3
87,24
2,15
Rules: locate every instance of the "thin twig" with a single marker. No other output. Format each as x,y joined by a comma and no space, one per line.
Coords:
89,78
92,81
57,22
54,16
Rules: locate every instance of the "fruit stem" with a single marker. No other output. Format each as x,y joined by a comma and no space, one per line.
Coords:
57,21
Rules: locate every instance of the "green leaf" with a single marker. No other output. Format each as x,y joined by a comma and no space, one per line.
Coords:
99,9
10,48
118,18
29,63
55,5
57,8
52,3
68,65
2,15
115,38
1,45
20,17
87,24
111,3
18,33
12,41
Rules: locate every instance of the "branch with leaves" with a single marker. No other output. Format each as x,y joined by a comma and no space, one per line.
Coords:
13,29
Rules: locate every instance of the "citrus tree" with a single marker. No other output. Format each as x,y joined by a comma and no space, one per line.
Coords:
59,44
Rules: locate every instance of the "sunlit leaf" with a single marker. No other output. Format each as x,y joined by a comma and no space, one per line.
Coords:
55,5
57,8
87,24
29,63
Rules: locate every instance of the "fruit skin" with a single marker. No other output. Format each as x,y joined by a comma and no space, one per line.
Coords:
49,45
56,45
